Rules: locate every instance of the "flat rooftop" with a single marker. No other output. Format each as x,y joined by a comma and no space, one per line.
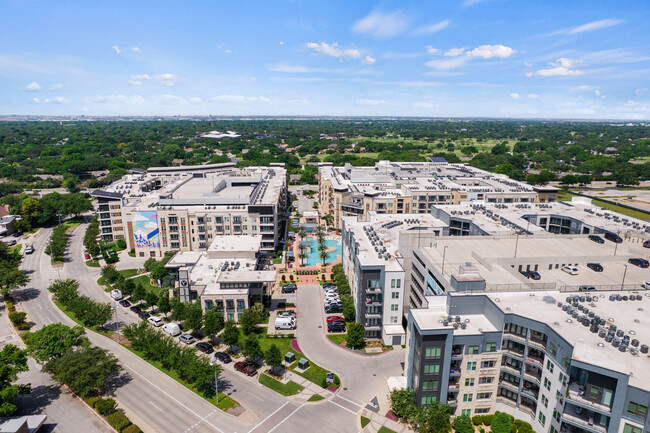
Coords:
434,316
243,243
493,258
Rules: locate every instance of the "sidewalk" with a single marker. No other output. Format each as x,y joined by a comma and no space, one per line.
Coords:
378,421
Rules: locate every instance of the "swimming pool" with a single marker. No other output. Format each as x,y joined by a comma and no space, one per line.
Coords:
313,257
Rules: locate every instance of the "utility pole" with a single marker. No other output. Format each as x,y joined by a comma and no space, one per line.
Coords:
444,252
516,244
624,273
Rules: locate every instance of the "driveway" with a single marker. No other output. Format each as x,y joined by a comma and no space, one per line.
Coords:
362,377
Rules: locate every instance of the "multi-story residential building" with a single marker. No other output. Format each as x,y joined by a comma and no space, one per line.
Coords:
413,187
228,276
565,362
186,208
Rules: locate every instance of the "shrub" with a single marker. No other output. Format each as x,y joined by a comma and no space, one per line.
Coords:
121,244
118,421
132,429
477,419
481,430
501,423
463,424
10,306
105,406
22,326
487,419
92,400
17,317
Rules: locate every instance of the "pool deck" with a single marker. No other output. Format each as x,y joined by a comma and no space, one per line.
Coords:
317,267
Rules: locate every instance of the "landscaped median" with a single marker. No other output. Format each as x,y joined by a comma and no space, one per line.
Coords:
286,389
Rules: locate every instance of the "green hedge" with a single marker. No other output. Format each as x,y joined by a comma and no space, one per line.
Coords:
92,400
132,429
17,317
118,421
106,406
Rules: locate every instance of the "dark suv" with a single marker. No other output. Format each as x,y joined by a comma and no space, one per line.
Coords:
336,327
595,267
597,239
246,367
289,288
642,263
531,274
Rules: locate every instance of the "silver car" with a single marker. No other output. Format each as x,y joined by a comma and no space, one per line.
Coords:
186,338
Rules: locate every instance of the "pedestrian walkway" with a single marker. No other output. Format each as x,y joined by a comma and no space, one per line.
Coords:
378,421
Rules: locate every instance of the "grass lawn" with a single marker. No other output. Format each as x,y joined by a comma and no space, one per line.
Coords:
128,273
314,373
92,263
316,397
286,389
284,344
337,338
364,421
386,430
562,196
144,280
277,261
17,248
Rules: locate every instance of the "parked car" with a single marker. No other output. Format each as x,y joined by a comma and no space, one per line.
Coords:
595,267
613,237
135,309
336,309
289,288
86,256
144,315
286,314
125,303
585,288
646,285
204,347
534,275
186,338
17,234
29,249
642,263
246,367
329,286
571,270
223,357
172,329
116,294
646,244
336,327
596,239
335,319
12,242
285,323
155,321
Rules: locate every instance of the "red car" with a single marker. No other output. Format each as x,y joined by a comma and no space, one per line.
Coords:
246,367
86,256
335,319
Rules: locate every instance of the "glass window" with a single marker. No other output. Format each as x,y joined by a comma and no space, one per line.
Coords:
394,307
485,380
429,385
433,352
467,412
467,397
549,366
428,400
552,347
469,381
637,409
472,350
471,366
629,428
490,347
431,368
395,295
547,384
541,418
565,360
544,401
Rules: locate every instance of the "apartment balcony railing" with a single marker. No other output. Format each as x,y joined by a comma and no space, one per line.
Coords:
576,394
515,337
514,353
587,424
532,341
509,385
535,360
511,369
505,400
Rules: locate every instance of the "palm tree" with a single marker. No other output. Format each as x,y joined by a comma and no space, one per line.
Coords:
302,254
323,255
302,232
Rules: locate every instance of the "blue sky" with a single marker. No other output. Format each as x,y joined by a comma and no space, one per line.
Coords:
455,58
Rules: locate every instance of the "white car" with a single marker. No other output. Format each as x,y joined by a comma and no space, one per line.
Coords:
116,294
571,270
646,285
155,321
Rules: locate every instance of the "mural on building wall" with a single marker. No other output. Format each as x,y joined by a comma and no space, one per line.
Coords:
145,229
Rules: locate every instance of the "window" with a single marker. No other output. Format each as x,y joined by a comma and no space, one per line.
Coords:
432,352
430,385
594,391
490,347
467,397
544,400
483,395
431,368
395,295
547,384
471,366
467,412
637,409
472,350
541,418
482,410
556,415
562,378
488,364
469,382
484,380
552,347
393,319
394,307
565,360
550,366
428,400
629,428
241,305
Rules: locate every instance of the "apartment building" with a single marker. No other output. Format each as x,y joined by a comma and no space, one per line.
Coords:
565,362
186,208
413,187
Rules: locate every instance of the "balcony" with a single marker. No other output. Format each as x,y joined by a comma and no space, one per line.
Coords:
576,394
452,402
535,356
457,355
512,386
506,400
371,327
453,387
373,291
454,370
530,389
372,315
533,373
515,337
373,301
512,369
537,341
584,423
513,352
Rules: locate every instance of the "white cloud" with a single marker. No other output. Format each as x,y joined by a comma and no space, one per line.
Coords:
595,25
119,99
529,74
563,67
136,49
432,51
116,49
55,87
432,28
515,95
491,51
164,79
454,52
298,101
55,100
141,77
368,60
32,87
281,42
533,96
382,25
299,69
333,50
171,100
195,100
579,89
444,64
135,82
36,100
468,3
227,51
370,102
239,100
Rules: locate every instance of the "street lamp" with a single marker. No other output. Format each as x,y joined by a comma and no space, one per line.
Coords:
624,272
444,252
516,244
216,379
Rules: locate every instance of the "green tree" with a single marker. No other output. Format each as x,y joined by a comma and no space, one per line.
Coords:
302,253
29,210
85,370
273,357
110,274
164,306
52,341
179,309
402,403
433,418
12,361
248,321
11,278
501,423
212,323
159,272
194,316
356,335
463,424
230,335
151,298
251,347
139,293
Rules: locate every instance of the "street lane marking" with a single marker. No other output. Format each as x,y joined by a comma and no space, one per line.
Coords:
181,404
152,403
262,422
347,399
288,416
342,407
